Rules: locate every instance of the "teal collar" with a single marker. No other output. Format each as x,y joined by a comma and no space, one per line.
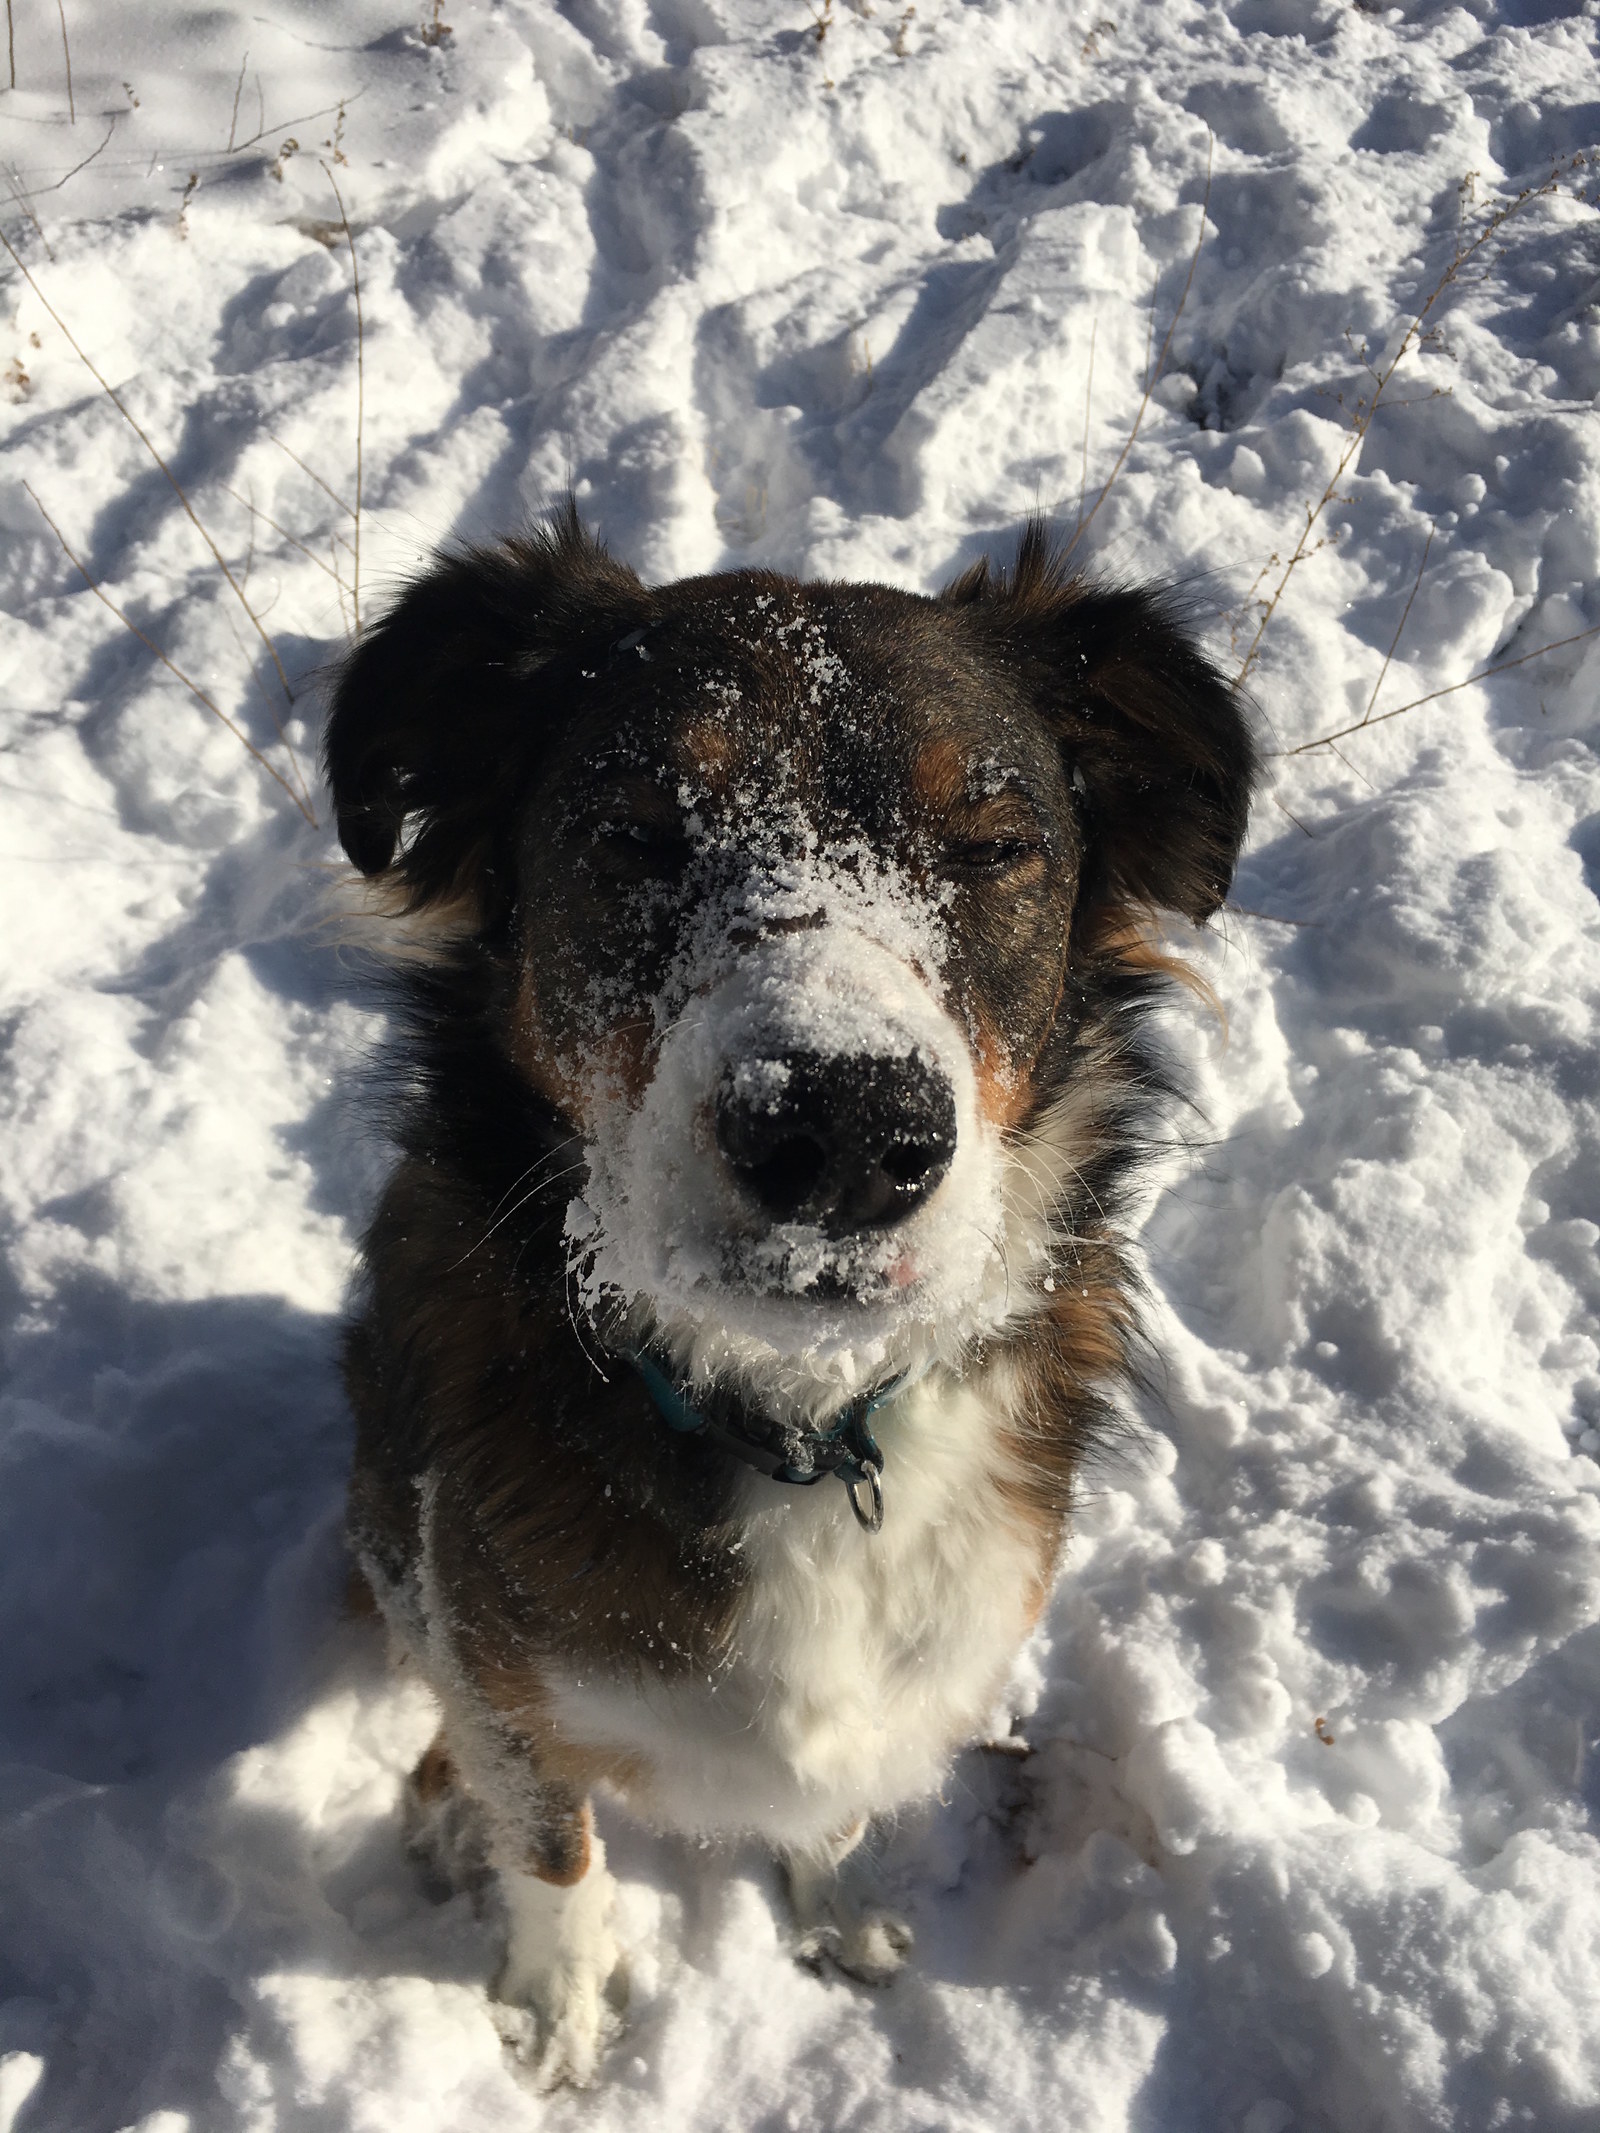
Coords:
781,1451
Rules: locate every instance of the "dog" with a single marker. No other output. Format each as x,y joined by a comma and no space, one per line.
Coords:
772,1071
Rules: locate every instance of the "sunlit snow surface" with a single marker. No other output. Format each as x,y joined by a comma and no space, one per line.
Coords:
1307,1837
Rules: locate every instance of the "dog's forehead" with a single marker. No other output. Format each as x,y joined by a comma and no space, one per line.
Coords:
823,692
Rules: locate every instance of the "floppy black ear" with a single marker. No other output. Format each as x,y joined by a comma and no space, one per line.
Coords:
441,710
1156,738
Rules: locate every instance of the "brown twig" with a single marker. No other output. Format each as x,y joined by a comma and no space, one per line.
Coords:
282,125
282,532
37,192
11,43
271,707
1501,666
193,688
21,199
1153,377
310,475
72,109
1399,626
338,586
144,438
355,277
1088,401
238,90
1366,408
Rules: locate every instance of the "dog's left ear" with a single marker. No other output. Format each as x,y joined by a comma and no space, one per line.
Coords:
1157,740
441,712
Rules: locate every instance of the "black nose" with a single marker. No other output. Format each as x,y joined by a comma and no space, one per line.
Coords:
847,1142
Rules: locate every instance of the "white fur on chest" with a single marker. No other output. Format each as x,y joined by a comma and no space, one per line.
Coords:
858,1662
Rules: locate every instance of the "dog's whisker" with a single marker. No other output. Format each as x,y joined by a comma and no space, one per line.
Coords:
512,1212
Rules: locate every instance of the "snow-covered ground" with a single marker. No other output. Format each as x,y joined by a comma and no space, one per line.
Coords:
1307,1839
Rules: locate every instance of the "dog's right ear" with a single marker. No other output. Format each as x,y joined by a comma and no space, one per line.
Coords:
441,712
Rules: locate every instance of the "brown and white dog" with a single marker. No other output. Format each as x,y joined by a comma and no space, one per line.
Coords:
750,1285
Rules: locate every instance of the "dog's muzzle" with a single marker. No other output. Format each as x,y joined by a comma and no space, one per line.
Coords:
846,1142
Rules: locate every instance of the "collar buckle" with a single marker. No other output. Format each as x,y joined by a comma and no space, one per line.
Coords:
799,1457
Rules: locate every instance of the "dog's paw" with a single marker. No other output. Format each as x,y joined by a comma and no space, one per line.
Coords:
561,1958
871,1947
842,1919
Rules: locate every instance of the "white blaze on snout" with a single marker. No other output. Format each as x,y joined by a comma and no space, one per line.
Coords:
665,1229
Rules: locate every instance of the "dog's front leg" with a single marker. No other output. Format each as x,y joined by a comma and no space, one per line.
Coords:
834,1891
560,1950
476,1802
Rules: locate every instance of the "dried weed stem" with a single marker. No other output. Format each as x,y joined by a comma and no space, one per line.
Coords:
72,108
310,473
1153,376
1361,416
1399,629
355,277
1500,666
145,439
238,90
1088,403
301,801
282,532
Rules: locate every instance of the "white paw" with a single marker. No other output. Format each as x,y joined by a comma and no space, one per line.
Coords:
841,1918
560,1957
872,1946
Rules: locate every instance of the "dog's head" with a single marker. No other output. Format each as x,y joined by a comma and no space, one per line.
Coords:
797,891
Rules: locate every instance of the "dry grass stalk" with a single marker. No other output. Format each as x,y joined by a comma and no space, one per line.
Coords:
1399,629
145,439
72,109
355,276
301,799
1153,376
1500,666
11,43
282,532
1365,409
280,127
1088,402
22,201
339,589
37,192
310,473
238,90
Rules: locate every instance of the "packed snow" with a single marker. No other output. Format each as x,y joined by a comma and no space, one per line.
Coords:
1306,1842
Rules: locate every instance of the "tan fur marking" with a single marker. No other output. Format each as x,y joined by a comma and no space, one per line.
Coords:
435,1774
569,1875
939,775
1003,1093
623,1059
1129,935
517,1697
1078,1348
709,747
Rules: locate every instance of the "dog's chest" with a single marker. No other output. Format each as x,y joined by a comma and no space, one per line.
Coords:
857,1661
